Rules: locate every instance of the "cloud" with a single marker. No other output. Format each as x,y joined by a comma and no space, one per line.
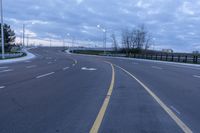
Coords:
79,1
173,24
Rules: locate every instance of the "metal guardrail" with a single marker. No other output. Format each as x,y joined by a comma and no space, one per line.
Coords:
195,59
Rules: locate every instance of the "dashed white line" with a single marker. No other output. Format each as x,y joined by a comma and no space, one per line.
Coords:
48,58
135,63
9,70
3,67
49,63
75,61
31,66
44,75
155,67
88,69
196,76
173,108
65,68
1,87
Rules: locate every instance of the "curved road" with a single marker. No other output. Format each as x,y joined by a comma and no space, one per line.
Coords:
68,93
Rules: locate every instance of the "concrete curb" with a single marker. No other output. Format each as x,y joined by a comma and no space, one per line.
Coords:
28,56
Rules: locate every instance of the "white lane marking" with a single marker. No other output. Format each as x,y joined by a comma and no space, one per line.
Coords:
9,70
48,58
155,67
75,61
65,68
178,121
27,61
135,63
172,107
3,67
31,66
196,76
49,63
73,64
1,87
44,75
185,66
88,69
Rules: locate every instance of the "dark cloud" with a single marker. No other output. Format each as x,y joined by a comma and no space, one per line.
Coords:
174,24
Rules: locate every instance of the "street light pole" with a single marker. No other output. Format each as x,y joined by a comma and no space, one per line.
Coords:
104,30
50,43
72,42
2,32
23,43
64,44
27,40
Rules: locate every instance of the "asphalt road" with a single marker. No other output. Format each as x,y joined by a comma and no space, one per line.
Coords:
67,93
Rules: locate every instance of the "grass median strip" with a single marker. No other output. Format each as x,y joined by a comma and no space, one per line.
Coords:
99,118
176,119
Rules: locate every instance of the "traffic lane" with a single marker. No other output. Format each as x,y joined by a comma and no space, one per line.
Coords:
181,93
64,102
186,71
40,53
23,74
181,68
132,109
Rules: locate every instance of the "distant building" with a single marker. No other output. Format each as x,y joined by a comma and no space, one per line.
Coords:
167,50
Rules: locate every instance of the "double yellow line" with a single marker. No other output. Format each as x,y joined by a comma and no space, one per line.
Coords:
98,121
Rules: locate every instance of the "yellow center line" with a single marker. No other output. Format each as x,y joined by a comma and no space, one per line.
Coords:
177,120
98,121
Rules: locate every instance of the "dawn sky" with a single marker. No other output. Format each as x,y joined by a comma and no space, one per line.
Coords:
173,23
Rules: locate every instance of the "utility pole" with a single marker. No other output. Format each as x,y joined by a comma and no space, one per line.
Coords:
50,43
27,40
105,41
23,35
104,30
72,45
64,43
2,32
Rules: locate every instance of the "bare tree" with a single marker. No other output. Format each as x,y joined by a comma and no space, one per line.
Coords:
138,38
148,42
126,40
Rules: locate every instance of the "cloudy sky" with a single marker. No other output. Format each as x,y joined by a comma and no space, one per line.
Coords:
173,23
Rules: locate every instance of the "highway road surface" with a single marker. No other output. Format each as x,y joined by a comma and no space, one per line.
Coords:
68,93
